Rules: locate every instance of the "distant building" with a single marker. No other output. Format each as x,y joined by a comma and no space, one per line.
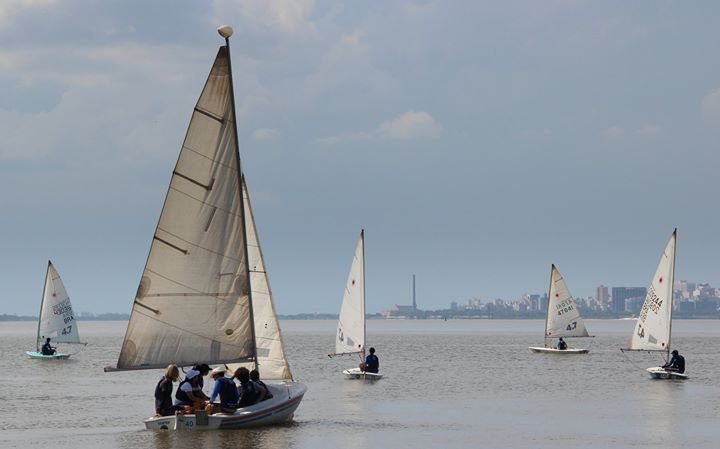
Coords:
399,311
602,297
620,294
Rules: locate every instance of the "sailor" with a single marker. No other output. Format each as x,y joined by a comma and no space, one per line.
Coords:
249,390
372,363
561,344
264,390
163,392
186,395
676,363
47,349
226,389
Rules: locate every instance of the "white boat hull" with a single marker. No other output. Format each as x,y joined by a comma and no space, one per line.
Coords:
660,373
356,373
544,350
39,355
278,409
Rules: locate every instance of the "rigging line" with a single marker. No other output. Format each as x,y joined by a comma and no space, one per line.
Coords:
202,155
188,287
189,332
227,211
194,245
638,367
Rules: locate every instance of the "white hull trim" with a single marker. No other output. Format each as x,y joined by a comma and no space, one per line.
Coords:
355,373
538,349
278,409
660,373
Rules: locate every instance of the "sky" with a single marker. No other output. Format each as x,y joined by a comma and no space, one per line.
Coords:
476,142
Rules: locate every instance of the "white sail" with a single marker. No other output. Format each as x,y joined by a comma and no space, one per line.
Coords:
652,331
193,301
563,316
271,359
57,319
350,336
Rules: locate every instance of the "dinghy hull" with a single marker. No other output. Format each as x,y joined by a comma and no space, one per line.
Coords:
660,373
39,355
356,374
277,410
567,351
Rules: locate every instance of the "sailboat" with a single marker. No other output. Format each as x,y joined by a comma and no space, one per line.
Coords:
205,275
57,320
350,335
563,318
654,324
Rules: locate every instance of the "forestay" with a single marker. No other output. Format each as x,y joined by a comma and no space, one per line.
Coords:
57,319
563,317
652,331
350,337
271,359
193,302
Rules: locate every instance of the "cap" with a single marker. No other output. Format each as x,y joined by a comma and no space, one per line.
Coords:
192,373
218,370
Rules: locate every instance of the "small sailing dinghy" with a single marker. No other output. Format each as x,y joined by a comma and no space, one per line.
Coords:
654,324
205,275
57,320
563,318
350,336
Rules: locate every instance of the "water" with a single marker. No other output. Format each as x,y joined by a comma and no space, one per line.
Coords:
454,384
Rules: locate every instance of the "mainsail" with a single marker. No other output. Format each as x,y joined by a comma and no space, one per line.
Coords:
271,359
350,337
652,331
193,303
563,317
57,319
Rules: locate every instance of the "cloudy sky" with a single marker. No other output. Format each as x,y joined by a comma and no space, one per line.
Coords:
476,142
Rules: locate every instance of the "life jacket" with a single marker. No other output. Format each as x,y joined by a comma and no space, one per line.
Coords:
182,396
372,364
248,394
228,391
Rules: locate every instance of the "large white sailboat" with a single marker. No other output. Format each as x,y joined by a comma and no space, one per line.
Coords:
562,319
204,295
350,335
654,324
57,320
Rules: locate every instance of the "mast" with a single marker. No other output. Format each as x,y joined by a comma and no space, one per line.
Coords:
42,303
226,32
362,238
547,309
672,293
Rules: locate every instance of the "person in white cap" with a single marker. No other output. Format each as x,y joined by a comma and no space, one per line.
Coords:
227,391
186,397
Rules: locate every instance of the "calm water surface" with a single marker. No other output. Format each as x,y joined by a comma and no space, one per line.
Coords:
454,384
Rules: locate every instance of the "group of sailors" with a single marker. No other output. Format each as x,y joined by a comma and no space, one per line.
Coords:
226,395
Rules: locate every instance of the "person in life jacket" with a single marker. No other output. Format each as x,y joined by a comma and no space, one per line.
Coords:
371,364
264,390
676,363
561,344
227,391
186,396
163,392
249,390
47,349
